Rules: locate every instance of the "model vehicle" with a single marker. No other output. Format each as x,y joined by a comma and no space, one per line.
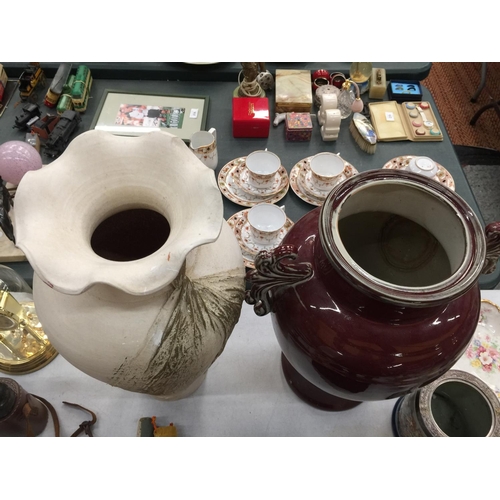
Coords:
81,88
44,126
31,113
57,85
60,136
30,78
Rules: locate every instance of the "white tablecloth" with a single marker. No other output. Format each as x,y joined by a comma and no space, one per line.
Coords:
244,394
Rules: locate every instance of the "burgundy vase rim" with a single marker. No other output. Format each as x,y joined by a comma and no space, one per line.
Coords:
460,281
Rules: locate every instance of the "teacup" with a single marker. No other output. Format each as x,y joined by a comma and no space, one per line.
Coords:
423,165
266,221
204,146
262,168
326,169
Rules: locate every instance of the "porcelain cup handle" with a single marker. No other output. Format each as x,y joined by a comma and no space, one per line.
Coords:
214,133
272,276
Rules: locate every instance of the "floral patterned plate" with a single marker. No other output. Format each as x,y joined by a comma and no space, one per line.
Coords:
242,179
482,357
302,185
239,224
227,180
442,176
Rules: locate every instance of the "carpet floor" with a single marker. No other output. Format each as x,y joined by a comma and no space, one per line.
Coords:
452,86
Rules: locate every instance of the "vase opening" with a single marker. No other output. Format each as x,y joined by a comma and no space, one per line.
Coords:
401,234
460,410
130,235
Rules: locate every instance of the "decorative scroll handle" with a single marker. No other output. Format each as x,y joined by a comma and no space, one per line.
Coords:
272,276
492,247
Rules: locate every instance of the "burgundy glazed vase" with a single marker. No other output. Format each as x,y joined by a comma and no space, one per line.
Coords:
375,293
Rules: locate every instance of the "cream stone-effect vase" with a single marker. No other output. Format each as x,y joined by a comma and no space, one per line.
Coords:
138,280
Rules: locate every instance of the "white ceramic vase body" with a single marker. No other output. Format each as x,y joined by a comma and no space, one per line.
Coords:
154,324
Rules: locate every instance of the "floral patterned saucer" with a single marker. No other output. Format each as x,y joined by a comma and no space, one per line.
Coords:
442,176
228,184
249,249
242,179
300,181
482,357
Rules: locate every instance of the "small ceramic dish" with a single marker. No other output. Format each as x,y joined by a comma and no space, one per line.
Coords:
442,176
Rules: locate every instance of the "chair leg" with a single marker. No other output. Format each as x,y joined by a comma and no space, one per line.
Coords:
484,67
479,112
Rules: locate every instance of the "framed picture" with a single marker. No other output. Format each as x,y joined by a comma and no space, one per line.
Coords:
137,113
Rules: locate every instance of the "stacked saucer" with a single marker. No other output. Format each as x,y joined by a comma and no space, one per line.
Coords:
234,183
403,162
249,248
306,189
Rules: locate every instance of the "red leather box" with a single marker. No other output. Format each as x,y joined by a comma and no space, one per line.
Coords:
251,117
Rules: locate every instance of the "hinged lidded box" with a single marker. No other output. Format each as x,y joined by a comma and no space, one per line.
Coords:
293,91
251,117
298,127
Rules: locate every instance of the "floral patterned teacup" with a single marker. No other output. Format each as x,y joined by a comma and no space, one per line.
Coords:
262,168
326,168
266,221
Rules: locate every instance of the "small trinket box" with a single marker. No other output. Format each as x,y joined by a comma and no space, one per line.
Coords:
251,117
298,127
404,90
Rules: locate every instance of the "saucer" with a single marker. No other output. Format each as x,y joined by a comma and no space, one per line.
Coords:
482,357
229,187
442,176
242,179
302,186
249,249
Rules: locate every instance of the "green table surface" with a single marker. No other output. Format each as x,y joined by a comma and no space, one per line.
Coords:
219,116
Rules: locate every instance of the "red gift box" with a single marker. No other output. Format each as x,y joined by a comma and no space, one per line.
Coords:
251,117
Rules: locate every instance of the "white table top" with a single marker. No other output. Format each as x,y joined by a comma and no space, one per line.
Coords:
244,394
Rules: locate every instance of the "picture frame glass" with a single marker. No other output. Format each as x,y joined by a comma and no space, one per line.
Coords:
134,114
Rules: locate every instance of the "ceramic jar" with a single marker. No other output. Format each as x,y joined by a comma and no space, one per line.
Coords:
457,404
375,293
138,279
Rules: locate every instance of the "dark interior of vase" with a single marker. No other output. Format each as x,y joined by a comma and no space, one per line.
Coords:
382,230
130,235
460,410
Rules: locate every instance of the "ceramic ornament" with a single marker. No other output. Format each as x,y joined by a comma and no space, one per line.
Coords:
138,279
17,158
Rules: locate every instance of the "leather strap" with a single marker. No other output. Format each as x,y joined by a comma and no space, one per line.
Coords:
55,418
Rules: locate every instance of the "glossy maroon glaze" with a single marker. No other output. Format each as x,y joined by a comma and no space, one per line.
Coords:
357,347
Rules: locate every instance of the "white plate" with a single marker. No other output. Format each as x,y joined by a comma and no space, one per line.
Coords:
443,176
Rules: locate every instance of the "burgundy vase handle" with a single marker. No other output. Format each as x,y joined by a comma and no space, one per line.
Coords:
492,247
271,276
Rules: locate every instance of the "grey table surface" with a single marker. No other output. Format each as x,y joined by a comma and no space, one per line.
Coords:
229,148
